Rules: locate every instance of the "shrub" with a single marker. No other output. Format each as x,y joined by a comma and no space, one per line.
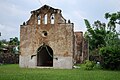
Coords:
88,65
9,58
110,57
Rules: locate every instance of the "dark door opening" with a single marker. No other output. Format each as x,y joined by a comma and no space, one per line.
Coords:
45,56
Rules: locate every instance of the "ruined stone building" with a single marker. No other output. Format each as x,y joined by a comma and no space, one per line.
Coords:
48,40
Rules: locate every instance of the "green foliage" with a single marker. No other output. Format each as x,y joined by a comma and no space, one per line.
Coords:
3,44
111,57
95,35
114,19
100,34
111,52
14,41
103,38
88,65
8,51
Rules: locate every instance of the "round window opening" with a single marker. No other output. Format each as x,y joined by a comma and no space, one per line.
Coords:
44,33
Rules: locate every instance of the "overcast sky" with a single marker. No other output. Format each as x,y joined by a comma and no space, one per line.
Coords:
14,12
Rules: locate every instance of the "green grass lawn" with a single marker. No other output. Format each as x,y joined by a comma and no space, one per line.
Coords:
13,72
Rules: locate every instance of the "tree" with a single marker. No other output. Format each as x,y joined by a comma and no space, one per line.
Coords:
111,52
110,57
96,35
104,40
14,41
113,22
8,51
114,19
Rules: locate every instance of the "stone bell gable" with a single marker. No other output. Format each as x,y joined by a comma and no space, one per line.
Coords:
46,15
46,40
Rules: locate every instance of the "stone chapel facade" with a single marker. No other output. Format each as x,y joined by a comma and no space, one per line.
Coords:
48,40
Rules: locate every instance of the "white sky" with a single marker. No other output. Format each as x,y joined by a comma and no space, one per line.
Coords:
14,12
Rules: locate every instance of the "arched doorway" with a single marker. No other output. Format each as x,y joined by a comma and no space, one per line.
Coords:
45,56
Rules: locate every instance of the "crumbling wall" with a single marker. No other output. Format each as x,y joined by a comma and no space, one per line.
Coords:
85,52
41,29
81,48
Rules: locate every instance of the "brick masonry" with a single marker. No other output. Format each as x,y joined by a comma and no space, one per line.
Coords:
46,39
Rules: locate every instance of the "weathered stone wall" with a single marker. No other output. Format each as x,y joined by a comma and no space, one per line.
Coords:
85,51
59,36
78,46
81,48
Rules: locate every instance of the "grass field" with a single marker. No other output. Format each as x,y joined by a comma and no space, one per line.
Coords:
13,72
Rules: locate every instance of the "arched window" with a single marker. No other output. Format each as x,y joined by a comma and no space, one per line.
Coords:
45,19
38,21
52,18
